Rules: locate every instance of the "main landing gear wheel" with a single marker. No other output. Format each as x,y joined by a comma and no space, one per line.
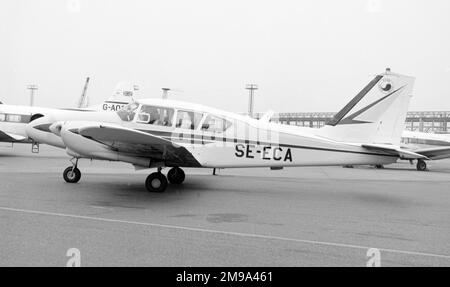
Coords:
421,165
156,182
176,175
72,174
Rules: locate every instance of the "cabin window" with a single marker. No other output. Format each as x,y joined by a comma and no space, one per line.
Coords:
215,124
128,112
2,117
155,116
13,118
188,120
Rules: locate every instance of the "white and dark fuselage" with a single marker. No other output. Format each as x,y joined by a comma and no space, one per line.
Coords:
215,139
156,133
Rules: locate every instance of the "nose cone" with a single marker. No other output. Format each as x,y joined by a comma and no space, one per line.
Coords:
40,131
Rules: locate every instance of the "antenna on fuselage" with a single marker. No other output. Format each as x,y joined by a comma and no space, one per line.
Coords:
32,89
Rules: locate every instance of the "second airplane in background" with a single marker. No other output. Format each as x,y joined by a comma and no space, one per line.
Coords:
14,119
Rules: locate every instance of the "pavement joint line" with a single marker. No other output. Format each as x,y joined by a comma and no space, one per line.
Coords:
230,233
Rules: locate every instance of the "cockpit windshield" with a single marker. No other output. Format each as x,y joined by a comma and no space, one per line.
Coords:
128,112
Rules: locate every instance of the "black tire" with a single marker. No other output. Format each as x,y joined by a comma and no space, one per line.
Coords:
421,165
176,175
156,182
72,175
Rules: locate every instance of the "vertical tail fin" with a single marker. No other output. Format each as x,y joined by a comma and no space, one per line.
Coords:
123,95
377,114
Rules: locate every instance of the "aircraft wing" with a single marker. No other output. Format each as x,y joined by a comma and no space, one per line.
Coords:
435,153
140,144
394,150
4,136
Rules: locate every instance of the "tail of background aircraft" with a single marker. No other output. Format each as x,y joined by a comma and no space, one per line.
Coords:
376,115
123,95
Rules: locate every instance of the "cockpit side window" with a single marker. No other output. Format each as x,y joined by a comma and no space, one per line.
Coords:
159,116
188,120
215,124
128,112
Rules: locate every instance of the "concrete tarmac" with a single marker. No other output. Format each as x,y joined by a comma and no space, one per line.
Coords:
311,216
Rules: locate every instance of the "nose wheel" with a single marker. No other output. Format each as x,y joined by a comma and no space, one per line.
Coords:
72,174
156,182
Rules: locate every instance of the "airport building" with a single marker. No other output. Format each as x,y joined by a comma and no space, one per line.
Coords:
429,121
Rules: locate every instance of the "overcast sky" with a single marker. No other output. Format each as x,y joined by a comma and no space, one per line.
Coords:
305,55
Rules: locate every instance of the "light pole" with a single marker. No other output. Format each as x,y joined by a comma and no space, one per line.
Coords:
32,88
252,88
165,93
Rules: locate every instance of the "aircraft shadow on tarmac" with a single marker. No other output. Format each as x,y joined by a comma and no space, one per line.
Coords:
130,193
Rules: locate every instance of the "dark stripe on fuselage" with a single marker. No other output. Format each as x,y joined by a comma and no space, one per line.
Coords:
201,139
77,110
114,102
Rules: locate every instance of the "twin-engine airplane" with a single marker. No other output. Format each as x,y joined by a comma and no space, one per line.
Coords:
158,133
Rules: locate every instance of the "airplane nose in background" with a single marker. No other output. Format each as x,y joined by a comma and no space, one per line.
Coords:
40,131
36,127
41,124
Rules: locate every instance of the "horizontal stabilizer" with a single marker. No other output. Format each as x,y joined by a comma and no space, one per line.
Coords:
394,150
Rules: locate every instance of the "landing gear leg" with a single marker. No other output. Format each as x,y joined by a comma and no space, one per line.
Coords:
72,174
176,175
156,182
379,166
421,165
